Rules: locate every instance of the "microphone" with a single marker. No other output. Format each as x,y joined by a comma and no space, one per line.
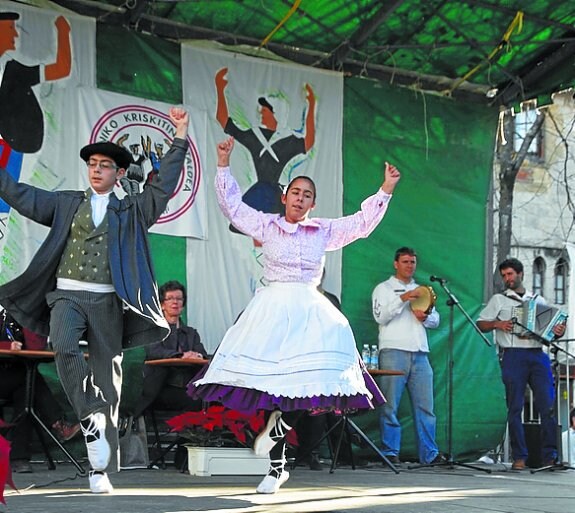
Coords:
437,278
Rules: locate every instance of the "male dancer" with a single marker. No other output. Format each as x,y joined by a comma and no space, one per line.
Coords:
92,279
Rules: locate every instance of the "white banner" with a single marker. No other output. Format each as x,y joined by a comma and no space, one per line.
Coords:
144,128
85,115
287,121
44,55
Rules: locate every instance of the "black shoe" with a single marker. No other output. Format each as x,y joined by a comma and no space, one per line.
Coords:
438,460
314,463
21,466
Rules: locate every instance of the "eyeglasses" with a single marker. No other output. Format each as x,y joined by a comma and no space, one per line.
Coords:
179,299
104,165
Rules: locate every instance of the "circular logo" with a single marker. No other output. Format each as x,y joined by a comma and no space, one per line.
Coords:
148,133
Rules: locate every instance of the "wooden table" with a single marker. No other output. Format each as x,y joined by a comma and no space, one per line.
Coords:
31,360
385,372
177,362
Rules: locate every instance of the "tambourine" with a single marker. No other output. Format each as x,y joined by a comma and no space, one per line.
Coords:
426,299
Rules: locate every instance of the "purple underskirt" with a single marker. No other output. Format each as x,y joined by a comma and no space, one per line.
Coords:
249,401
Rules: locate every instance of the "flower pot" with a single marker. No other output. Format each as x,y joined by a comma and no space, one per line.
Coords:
207,461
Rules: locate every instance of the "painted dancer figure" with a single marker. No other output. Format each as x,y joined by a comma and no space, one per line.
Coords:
270,146
92,279
291,350
21,118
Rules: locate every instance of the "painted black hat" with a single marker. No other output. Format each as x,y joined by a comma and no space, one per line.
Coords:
265,103
9,16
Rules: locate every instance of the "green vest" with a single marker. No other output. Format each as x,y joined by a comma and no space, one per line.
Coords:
85,257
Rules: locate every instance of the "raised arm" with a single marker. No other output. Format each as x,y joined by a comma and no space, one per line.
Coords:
224,150
359,225
181,119
245,218
222,106
63,65
391,178
309,138
157,193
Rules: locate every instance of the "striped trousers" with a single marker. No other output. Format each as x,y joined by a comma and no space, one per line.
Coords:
92,385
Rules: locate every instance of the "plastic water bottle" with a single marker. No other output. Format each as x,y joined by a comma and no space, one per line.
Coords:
366,356
374,357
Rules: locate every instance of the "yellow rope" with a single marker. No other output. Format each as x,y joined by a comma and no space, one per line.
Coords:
515,26
281,23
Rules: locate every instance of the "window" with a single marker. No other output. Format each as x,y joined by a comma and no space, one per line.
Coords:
560,282
538,276
523,122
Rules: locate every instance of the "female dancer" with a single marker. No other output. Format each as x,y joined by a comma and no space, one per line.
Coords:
291,350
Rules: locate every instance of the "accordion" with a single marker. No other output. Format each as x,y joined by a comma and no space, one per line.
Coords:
537,319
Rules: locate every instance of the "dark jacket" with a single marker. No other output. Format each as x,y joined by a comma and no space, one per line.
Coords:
180,340
129,255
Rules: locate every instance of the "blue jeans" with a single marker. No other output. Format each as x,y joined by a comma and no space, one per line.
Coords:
418,376
518,368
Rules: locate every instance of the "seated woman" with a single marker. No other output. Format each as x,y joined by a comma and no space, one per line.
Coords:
165,387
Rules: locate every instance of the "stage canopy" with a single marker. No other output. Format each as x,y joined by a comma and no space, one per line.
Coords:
486,51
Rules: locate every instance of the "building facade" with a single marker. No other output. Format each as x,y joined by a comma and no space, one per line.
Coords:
543,225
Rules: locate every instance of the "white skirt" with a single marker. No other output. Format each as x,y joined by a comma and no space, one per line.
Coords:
289,342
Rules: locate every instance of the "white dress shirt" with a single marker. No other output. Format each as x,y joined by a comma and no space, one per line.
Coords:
398,326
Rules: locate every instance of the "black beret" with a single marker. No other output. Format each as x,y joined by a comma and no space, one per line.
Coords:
121,156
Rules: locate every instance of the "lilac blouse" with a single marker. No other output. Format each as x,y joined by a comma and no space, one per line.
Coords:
295,252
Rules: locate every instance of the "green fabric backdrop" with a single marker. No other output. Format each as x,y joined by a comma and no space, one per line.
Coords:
444,150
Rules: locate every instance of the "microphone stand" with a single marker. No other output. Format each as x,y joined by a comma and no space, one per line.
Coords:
450,461
556,348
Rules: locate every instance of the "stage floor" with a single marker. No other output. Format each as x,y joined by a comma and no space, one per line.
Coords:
373,489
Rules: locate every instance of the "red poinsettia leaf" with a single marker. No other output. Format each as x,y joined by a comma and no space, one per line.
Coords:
257,422
236,415
241,437
218,417
177,423
185,420
218,421
209,425
237,430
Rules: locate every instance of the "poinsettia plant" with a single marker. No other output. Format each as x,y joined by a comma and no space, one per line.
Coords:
218,426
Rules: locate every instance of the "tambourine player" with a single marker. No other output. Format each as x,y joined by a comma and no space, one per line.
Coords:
404,311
